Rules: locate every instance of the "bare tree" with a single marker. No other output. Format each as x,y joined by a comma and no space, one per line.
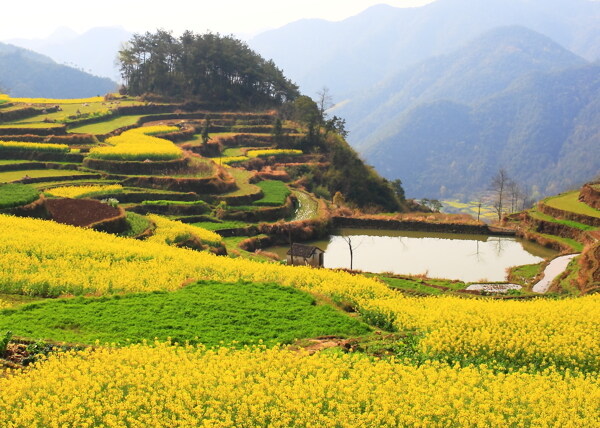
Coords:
515,194
479,200
324,101
498,187
351,248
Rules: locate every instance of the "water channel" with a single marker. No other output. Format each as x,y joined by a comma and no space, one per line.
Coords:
468,258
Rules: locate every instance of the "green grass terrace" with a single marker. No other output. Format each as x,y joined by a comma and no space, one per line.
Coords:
570,202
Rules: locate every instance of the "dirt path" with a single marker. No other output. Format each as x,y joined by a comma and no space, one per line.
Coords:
555,268
308,208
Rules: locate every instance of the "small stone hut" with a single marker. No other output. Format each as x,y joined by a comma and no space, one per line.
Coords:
301,255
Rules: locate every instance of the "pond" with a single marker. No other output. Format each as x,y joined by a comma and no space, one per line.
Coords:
467,258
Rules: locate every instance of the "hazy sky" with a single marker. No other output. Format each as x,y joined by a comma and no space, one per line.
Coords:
34,19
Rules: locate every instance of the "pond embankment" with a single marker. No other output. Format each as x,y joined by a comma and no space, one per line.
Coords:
418,226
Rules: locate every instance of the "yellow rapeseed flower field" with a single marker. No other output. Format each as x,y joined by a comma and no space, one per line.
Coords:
231,159
44,258
80,191
272,152
139,144
170,386
41,147
52,101
168,231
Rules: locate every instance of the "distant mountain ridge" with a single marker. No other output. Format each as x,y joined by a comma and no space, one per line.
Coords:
482,68
24,73
94,51
349,55
544,130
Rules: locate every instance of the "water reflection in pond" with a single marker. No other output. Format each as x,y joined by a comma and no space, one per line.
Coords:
438,255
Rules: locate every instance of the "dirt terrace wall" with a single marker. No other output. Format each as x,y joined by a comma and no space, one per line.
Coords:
544,242
135,167
23,113
242,199
41,156
239,140
280,233
556,229
36,209
136,198
221,182
263,213
55,130
71,139
60,178
419,226
589,274
171,209
567,215
36,165
590,195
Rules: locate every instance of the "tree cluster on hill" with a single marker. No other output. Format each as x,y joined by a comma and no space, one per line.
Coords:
358,183
207,67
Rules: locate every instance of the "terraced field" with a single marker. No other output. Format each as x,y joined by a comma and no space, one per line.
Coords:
387,352
568,224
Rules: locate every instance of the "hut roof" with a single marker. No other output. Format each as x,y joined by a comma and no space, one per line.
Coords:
301,250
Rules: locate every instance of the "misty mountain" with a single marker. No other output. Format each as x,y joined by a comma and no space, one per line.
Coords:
544,129
24,73
349,55
94,51
483,67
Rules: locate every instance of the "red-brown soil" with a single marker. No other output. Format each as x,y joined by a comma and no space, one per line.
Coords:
80,212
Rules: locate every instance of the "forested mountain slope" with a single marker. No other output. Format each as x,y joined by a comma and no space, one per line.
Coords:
543,129
24,73
348,55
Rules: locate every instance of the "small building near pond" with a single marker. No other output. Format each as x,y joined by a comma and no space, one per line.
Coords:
302,255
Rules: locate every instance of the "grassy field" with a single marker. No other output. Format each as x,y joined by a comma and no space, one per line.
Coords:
570,223
275,193
405,284
8,176
75,182
525,274
209,225
207,312
106,126
576,246
136,225
570,202
16,195
37,125
12,162
72,109
422,286
241,179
